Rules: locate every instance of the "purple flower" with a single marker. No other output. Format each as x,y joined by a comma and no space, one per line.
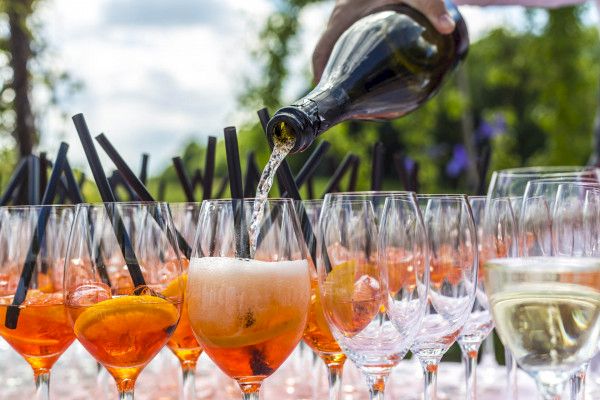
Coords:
459,161
409,164
485,130
488,130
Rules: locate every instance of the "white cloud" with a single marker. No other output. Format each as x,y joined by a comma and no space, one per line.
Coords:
149,88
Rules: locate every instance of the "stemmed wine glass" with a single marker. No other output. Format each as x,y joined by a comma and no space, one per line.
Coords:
183,343
570,208
511,183
480,324
38,235
453,261
546,302
317,334
123,308
373,316
248,307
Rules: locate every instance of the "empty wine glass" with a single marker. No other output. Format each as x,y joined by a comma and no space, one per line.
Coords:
479,324
125,314
358,304
453,263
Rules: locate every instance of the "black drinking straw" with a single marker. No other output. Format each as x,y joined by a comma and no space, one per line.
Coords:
144,168
114,188
264,117
81,181
237,192
414,178
162,186
353,173
482,169
184,179
15,180
312,162
108,197
251,179
136,184
209,168
197,178
43,171
377,167
12,313
310,188
33,180
72,187
334,182
401,170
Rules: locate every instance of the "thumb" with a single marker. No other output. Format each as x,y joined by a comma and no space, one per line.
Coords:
436,13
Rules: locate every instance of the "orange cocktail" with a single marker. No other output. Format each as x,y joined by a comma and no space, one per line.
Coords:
43,331
248,315
124,333
183,343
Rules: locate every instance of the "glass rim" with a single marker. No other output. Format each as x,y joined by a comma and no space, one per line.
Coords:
549,170
442,196
182,203
41,206
249,199
122,204
311,201
372,193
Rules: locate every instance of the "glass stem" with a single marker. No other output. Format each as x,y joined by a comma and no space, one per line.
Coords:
125,388
334,373
126,395
511,375
188,387
376,384
550,392
469,356
430,368
578,383
488,355
250,390
42,384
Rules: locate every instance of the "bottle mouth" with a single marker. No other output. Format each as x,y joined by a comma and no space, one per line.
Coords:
291,124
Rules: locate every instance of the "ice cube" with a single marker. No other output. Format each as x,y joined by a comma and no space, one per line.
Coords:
89,294
366,288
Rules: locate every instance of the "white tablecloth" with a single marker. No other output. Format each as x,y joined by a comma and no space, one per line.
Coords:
75,377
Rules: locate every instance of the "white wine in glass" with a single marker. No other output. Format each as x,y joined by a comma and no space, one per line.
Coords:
547,311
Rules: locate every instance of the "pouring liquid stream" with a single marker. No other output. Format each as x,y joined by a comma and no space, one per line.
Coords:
282,145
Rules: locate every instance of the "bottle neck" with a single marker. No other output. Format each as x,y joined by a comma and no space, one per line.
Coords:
310,116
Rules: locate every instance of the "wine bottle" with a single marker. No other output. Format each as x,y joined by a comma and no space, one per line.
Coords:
383,67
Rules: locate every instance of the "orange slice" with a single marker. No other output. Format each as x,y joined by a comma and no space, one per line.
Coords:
282,320
127,311
176,287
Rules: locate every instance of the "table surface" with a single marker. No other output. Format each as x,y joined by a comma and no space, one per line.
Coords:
75,377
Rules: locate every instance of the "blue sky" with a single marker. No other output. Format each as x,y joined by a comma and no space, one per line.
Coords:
157,73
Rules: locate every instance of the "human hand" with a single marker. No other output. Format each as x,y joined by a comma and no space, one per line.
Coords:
347,12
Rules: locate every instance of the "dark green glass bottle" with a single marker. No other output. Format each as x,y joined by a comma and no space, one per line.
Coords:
384,66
